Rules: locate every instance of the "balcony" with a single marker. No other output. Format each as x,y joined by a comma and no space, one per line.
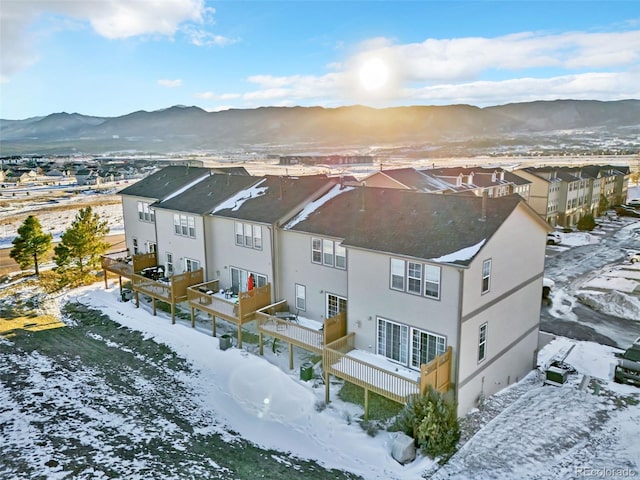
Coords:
172,290
237,309
277,321
125,266
376,374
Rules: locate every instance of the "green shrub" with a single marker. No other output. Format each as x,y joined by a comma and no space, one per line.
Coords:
432,421
586,223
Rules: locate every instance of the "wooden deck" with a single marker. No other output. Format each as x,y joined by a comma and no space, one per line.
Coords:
124,266
307,334
172,291
238,309
390,384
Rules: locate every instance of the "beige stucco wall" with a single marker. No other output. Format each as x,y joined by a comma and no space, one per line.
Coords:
370,296
223,253
180,246
134,227
296,267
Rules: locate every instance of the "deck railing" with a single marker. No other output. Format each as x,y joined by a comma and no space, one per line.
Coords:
238,310
372,378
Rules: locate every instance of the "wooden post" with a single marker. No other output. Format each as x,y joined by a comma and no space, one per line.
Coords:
240,335
120,280
326,387
366,403
153,302
261,339
137,299
193,318
105,278
213,324
290,356
173,312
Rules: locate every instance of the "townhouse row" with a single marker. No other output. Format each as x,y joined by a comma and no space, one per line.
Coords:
560,195
414,276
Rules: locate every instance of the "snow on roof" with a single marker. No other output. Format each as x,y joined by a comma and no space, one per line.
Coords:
313,206
185,188
461,255
236,201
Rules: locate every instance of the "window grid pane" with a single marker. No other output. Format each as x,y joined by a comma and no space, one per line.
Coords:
341,256
239,234
432,281
257,237
414,278
316,250
397,274
327,251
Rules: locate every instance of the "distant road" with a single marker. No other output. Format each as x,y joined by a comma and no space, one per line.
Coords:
7,265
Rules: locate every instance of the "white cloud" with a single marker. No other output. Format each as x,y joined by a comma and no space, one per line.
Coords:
170,83
203,38
112,19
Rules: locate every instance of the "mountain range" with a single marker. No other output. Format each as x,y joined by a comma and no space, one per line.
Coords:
440,130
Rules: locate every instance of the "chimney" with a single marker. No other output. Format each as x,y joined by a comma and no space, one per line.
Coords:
483,214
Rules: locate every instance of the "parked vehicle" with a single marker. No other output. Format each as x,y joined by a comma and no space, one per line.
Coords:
634,202
628,368
553,238
625,211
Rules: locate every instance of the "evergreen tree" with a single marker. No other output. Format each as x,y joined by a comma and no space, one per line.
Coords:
83,243
31,244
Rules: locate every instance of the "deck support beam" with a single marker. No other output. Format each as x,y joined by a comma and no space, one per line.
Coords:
213,324
326,387
240,335
193,317
137,295
290,356
260,341
366,404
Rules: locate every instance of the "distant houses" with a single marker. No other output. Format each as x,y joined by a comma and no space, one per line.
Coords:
397,289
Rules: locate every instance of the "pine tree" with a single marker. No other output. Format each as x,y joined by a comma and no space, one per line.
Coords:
31,244
83,243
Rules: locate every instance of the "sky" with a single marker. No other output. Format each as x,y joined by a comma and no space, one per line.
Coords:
112,57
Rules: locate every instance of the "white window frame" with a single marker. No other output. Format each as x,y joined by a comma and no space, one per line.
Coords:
340,256
334,304
397,273
327,252
176,224
260,280
239,234
184,225
145,213
486,275
169,263
301,297
152,247
436,345
191,265
395,351
414,278
482,342
248,235
432,276
316,250
136,248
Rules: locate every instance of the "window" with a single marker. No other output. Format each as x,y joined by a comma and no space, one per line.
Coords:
301,297
414,278
397,274
327,253
432,281
169,264
239,234
408,346
425,347
240,279
486,275
135,246
316,250
257,237
248,235
482,342
151,247
335,305
341,256
393,340
191,265
184,225
145,213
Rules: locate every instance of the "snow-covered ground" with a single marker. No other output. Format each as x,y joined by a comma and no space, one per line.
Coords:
545,432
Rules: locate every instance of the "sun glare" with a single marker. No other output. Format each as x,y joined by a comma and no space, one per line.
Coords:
373,74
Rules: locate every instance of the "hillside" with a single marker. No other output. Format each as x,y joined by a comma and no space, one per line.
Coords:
462,128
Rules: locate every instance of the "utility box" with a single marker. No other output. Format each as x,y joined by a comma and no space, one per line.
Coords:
556,375
306,371
225,342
